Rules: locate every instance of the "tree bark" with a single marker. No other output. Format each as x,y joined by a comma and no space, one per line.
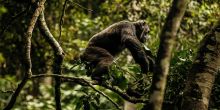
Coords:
58,59
167,41
202,74
27,56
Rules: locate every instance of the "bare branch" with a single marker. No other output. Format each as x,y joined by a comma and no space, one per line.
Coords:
85,82
48,36
7,91
123,94
58,60
80,81
103,94
27,56
74,3
62,20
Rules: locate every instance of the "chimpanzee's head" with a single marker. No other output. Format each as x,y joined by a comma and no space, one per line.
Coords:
142,30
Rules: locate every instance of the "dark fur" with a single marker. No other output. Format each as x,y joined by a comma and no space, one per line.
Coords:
105,45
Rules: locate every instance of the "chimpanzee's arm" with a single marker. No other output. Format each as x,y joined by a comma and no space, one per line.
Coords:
135,47
138,54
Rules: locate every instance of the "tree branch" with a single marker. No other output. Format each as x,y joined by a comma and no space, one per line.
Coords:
123,94
167,41
74,3
103,94
62,20
59,56
85,82
27,57
80,81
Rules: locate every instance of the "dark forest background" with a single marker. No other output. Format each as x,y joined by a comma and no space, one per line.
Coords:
72,23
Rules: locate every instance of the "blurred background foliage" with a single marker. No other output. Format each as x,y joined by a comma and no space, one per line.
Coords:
81,20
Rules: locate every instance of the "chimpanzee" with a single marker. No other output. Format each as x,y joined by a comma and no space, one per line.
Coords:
105,45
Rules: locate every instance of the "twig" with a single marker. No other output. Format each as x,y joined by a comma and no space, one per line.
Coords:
123,94
80,81
27,57
123,70
74,3
62,20
7,91
58,59
103,94
15,94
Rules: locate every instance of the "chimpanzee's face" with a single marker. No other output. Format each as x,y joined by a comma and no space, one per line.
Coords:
144,34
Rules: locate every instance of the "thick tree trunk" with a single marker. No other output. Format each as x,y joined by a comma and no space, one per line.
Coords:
167,41
202,75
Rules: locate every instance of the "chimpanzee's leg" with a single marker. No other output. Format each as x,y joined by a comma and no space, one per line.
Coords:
99,59
102,68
